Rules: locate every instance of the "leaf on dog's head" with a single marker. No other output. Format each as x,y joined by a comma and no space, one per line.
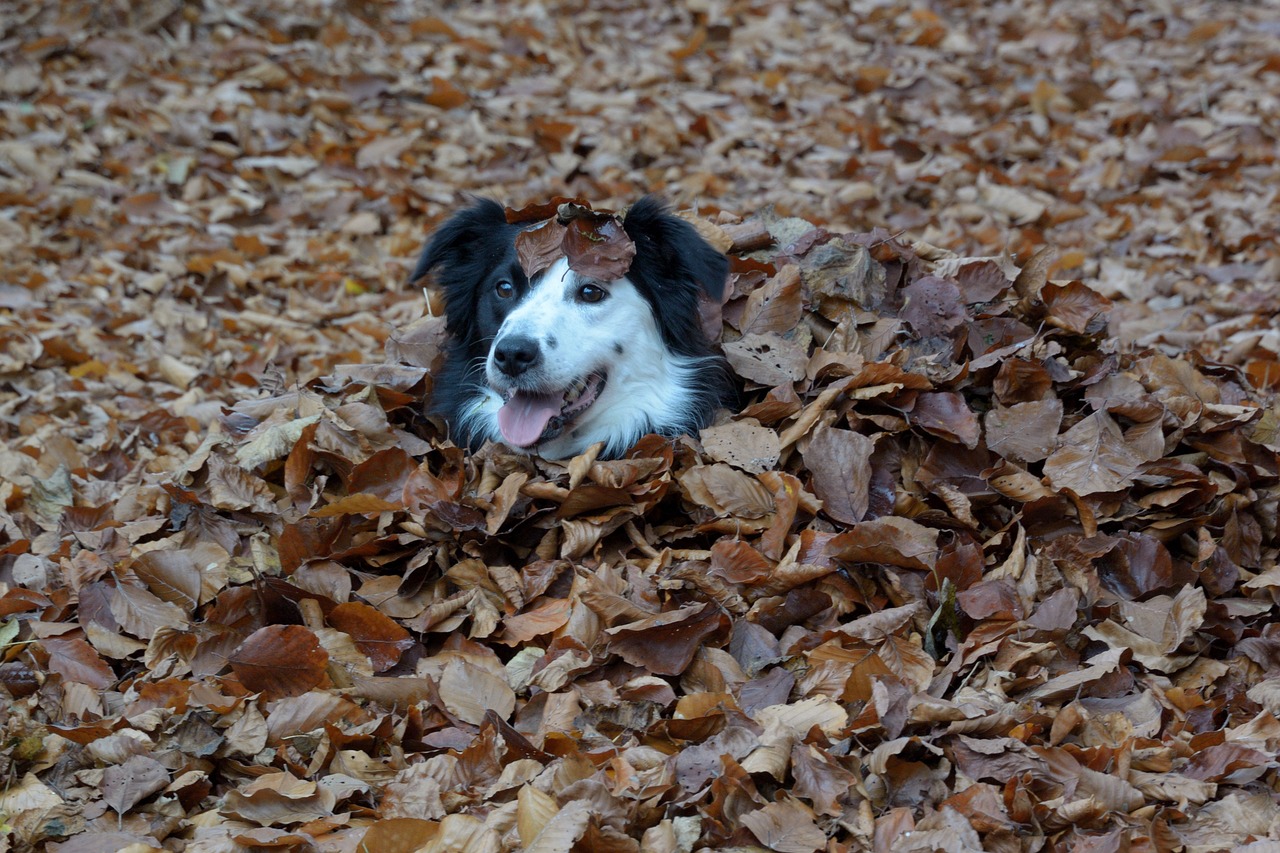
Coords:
543,210
538,248
596,244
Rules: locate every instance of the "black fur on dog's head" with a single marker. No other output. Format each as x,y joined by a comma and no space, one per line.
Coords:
473,255
474,250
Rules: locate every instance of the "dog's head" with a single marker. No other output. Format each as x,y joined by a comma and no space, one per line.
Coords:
568,359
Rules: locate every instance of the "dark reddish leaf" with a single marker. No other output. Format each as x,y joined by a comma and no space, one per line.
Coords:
996,333
981,281
1021,381
539,210
665,644
1131,564
946,415
933,306
540,246
598,248
1216,763
997,598
375,634
279,661
75,660
1075,307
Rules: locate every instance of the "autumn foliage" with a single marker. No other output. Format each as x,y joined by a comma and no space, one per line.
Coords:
985,559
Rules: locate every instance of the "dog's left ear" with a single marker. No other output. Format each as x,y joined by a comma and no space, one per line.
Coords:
673,262
673,248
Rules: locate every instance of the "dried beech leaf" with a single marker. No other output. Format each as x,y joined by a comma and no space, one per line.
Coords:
892,541
768,359
666,643
76,660
279,661
1024,432
597,247
126,785
840,461
1092,457
726,492
539,247
744,444
377,636
469,692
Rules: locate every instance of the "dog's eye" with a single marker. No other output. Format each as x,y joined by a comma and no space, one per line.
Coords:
590,293
505,290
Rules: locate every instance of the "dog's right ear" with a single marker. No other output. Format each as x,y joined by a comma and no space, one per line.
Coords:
455,242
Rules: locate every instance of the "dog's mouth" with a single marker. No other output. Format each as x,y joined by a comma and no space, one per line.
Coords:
528,418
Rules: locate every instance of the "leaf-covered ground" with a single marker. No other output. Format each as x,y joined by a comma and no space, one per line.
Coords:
986,561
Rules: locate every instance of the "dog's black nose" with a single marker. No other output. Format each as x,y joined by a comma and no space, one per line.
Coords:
515,355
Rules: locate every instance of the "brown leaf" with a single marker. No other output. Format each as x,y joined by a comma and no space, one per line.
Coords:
981,281
142,614
1218,763
597,246
768,359
1093,457
726,491
279,661
946,415
738,562
279,798
470,691
1034,275
1075,307
543,619
774,307
399,835
892,541
126,785
840,461
1024,432
820,780
376,635
539,210
75,660
445,94
786,826
666,643
172,576
1021,381
933,306
744,444
540,246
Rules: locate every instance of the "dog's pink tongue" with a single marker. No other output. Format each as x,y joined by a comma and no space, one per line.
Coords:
524,417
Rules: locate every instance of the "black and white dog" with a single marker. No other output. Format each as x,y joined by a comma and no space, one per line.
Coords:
554,363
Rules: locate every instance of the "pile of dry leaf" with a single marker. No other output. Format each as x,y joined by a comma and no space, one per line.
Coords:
987,560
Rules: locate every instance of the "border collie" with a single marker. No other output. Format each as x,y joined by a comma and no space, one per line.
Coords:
553,363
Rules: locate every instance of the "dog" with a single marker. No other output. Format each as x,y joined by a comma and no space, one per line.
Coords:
553,363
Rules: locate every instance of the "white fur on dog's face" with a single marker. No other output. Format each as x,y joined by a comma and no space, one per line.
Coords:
617,337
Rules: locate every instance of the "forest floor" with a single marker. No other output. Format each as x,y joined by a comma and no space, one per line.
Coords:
987,560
